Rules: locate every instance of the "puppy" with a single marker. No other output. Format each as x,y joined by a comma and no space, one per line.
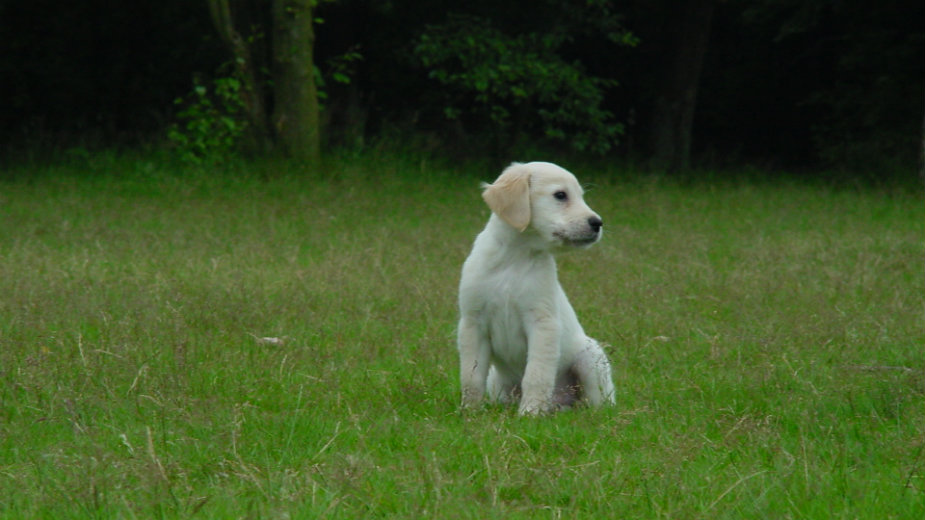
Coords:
518,337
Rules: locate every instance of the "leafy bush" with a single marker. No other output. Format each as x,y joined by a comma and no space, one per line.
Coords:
519,82
211,123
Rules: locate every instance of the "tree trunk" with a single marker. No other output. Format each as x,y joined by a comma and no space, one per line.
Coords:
673,115
295,115
251,95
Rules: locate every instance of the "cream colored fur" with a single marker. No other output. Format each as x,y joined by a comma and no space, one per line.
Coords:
519,338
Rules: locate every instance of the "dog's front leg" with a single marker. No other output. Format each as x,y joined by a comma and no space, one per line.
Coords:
543,351
474,359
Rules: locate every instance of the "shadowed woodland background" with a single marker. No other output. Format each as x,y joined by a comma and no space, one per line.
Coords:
825,85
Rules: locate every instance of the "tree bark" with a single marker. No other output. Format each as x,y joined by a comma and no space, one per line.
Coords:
673,115
296,112
251,95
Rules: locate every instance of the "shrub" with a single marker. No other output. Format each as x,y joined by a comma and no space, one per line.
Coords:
211,122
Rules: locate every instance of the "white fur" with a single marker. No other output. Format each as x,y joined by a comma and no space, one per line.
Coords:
518,335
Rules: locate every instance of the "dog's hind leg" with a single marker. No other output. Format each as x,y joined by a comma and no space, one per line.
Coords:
593,371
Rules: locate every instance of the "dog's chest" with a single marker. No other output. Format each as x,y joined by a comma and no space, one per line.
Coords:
512,297
502,309
503,320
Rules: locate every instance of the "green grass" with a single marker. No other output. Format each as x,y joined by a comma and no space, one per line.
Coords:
767,341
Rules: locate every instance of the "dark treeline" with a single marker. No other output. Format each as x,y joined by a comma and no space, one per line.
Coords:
790,84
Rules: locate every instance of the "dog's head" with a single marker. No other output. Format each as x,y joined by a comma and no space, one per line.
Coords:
546,198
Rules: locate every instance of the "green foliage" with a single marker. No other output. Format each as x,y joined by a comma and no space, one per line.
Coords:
786,83
210,123
340,70
518,82
343,67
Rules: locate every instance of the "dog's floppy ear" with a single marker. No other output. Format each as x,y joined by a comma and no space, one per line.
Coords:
509,196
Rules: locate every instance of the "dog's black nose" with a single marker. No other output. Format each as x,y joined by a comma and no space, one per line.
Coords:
596,223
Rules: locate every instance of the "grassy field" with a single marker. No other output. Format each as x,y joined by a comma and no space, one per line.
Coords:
767,341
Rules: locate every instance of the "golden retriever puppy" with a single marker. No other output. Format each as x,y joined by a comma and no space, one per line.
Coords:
518,336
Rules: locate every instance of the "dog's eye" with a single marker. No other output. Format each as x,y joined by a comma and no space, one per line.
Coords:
560,195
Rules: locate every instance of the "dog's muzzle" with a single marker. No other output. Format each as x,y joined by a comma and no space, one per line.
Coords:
585,236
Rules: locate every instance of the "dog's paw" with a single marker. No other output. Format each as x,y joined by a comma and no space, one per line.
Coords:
470,405
472,398
536,407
